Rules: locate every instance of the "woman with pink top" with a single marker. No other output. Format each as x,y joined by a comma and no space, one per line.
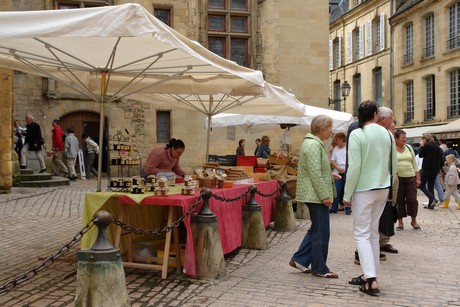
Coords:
164,160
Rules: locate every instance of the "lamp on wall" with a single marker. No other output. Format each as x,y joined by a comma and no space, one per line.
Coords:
345,92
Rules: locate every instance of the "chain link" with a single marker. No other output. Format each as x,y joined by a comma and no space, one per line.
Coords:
10,285
242,196
158,231
269,194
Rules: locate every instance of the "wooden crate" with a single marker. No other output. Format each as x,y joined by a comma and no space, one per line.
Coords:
278,160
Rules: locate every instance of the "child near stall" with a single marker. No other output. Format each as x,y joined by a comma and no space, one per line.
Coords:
451,180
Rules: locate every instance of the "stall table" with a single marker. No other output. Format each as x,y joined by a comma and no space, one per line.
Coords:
145,212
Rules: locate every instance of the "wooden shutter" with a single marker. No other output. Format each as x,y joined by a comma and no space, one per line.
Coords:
369,37
339,52
361,41
350,47
331,55
382,31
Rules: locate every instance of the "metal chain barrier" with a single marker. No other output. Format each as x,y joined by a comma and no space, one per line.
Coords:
269,194
242,196
10,285
158,231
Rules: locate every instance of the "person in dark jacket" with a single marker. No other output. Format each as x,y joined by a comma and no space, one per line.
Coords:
240,148
432,163
33,142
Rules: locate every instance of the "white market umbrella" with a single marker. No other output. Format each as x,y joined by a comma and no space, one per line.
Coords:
258,123
109,53
450,127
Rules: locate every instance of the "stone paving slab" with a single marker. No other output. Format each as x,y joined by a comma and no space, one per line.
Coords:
35,223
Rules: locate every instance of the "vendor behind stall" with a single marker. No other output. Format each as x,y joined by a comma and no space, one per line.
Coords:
164,160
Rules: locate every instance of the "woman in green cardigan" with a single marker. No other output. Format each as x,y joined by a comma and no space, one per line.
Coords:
315,188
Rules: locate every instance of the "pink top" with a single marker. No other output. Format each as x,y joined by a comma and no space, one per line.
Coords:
160,160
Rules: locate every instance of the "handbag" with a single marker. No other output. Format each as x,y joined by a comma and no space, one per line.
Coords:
390,214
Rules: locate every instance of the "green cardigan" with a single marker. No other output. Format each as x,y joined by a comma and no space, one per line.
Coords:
314,177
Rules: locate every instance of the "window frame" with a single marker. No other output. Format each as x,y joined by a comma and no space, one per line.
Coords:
356,93
454,93
377,74
428,36
408,44
409,114
453,35
430,100
167,113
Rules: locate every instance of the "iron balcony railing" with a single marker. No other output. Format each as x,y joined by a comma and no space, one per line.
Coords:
408,117
408,58
428,52
453,42
428,114
453,111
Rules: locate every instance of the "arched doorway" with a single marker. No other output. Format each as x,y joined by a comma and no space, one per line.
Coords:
87,122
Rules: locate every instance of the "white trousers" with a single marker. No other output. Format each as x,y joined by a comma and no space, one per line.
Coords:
367,209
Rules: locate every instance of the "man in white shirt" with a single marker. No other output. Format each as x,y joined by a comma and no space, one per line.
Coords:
90,150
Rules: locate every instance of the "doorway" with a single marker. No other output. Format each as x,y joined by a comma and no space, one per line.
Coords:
87,122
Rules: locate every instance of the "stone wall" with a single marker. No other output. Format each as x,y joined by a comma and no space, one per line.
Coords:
6,130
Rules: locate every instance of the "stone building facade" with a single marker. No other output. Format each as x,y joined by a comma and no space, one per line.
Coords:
415,70
359,53
286,40
427,62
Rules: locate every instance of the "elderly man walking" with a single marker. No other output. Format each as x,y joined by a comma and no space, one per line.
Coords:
33,142
71,151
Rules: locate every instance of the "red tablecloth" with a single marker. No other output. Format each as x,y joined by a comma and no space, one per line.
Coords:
229,215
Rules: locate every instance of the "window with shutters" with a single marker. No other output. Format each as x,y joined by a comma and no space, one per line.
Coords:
377,74
335,53
356,93
163,126
337,97
378,33
228,29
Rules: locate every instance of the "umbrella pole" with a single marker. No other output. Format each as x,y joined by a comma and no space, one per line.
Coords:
101,132
208,136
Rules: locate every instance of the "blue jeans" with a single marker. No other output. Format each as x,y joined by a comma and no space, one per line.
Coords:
427,181
439,190
340,188
314,247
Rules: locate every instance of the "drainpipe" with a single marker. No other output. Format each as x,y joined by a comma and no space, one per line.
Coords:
391,58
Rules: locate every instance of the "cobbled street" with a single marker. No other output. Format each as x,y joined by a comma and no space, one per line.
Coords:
36,223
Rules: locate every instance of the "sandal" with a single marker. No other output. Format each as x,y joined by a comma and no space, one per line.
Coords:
369,290
357,280
400,228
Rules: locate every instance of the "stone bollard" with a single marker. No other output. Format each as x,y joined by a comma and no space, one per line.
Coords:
254,234
209,256
302,212
100,275
284,214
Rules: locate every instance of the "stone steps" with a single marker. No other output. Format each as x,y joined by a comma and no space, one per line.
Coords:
40,180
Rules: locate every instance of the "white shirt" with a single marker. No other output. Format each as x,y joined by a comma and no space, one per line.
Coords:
339,156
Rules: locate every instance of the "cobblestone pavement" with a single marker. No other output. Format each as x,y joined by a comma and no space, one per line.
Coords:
35,223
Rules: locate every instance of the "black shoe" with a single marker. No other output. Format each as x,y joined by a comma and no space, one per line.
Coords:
367,287
73,178
432,204
388,248
42,170
332,211
23,167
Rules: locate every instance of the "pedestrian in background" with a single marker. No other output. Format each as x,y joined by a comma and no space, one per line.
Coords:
338,162
451,181
33,142
57,149
90,150
431,166
264,151
18,138
258,142
315,188
71,152
409,179
240,148
371,151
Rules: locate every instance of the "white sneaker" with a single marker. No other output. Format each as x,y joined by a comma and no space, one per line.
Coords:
425,203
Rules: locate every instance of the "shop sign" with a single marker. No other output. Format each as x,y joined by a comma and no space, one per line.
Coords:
451,135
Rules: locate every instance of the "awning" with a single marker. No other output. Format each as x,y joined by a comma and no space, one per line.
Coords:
414,134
